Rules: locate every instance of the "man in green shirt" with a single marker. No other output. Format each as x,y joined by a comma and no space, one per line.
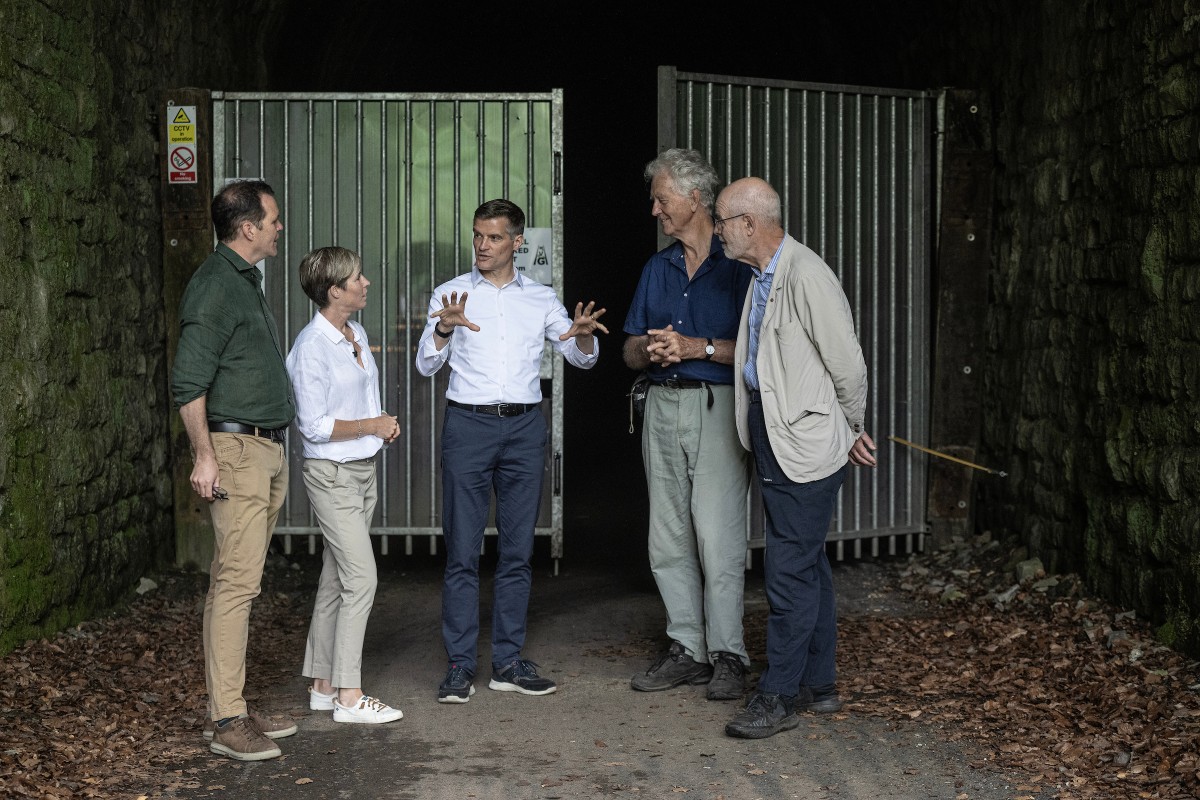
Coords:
232,390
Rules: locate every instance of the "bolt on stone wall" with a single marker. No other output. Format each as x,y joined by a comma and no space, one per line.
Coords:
85,494
1093,389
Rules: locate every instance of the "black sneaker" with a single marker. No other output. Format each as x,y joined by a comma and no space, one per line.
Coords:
457,686
674,668
729,677
521,676
766,714
820,700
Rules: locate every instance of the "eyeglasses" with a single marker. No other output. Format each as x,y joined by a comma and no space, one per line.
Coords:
718,224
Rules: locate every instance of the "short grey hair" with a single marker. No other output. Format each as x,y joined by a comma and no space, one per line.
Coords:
324,268
688,170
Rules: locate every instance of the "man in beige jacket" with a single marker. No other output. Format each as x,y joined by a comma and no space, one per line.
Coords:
800,399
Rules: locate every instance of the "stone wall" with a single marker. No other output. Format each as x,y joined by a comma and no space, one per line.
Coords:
1092,393
85,485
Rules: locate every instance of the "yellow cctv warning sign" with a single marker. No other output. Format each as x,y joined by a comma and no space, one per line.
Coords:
181,144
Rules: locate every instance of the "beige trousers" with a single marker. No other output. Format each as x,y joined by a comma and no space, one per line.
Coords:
254,471
343,499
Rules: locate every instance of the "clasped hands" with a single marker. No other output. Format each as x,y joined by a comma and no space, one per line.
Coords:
452,314
669,346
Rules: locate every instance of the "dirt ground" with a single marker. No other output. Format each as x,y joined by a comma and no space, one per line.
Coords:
903,734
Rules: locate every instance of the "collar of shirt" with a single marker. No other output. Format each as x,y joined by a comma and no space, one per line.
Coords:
477,277
335,337
679,262
770,270
239,263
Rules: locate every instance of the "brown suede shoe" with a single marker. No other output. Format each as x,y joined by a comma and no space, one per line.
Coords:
271,727
240,738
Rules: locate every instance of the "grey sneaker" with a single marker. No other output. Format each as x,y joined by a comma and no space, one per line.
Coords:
241,739
271,727
729,677
674,668
766,714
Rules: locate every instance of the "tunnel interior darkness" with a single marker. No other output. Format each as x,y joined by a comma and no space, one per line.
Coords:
605,61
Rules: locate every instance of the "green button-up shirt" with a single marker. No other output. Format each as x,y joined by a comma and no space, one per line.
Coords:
229,348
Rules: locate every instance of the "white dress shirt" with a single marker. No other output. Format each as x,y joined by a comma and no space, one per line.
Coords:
500,362
330,385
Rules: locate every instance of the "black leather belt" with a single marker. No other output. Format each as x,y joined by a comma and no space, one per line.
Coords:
274,434
497,410
680,383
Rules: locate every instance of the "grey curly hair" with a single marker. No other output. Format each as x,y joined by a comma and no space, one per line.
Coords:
688,170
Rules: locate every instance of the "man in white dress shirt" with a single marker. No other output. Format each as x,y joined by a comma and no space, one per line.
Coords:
494,438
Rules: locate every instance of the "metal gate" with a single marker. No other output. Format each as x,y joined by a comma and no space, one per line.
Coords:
854,169
397,177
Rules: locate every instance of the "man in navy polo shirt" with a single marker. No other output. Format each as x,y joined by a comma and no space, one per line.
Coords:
682,325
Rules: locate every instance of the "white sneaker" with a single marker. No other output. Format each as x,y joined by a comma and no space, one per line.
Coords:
321,702
367,710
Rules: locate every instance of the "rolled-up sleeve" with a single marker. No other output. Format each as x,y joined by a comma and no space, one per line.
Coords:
429,359
202,339
311,384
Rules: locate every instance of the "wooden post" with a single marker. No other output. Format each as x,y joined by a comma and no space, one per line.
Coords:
187,241
964,261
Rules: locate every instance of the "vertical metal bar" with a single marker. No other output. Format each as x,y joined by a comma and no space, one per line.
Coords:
910,322
504,146
334,157
691,119
431,456
406,227
358,181
805,159
530,154
749,142
893,264
785,134
288,335
767,175
708,122
237,138
729,133
386,321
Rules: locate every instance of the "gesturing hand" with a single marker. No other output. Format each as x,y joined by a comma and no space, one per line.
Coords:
453,314
585,323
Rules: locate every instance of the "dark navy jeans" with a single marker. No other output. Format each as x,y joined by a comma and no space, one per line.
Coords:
482,453
802,624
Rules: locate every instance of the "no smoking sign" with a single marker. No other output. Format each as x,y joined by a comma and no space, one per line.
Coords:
181,141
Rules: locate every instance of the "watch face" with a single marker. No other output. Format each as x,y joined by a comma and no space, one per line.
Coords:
708,348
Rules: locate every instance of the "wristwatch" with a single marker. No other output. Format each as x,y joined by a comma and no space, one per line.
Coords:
709,350
441,335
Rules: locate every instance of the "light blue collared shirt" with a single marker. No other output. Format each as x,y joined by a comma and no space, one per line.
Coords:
758,309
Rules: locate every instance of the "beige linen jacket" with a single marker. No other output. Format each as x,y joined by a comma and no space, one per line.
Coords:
810,368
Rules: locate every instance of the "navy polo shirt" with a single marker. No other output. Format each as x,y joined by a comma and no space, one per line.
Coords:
707,306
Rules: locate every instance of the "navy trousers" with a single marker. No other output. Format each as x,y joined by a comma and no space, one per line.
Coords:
482,453
802,623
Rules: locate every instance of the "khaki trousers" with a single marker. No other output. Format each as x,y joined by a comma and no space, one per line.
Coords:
254,471
697,476
343,498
